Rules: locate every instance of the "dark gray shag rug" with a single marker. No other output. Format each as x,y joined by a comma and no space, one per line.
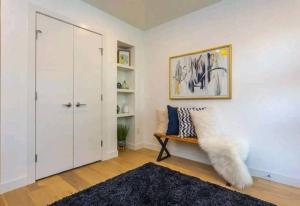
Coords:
154,185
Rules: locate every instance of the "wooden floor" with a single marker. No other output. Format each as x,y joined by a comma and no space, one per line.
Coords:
58,186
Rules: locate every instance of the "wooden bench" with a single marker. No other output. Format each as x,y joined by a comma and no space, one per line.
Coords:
163,143
163,140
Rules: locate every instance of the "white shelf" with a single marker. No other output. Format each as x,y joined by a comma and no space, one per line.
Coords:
125,115
125,67
125,91
126,97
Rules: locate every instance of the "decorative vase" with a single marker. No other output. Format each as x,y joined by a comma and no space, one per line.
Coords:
125,85
122,144
119,85
122,132
125,108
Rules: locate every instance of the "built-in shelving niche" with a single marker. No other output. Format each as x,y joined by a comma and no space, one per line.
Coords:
127,96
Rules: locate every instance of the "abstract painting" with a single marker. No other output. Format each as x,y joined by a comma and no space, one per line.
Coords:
202,74
124,57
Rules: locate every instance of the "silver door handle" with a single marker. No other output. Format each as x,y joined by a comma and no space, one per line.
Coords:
78,104
68,105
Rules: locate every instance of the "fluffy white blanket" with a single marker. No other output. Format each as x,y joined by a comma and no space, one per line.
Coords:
227,155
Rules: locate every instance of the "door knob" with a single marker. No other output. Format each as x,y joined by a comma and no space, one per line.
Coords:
78,104
68,105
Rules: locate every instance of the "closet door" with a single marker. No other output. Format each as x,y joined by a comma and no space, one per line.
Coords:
54,105
87,96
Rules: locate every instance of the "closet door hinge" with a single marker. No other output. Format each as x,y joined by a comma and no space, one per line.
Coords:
36,96
101,97
35,158
37,32
101,143
101,50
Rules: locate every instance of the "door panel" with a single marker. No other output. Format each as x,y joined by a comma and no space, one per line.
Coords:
87,91
54,85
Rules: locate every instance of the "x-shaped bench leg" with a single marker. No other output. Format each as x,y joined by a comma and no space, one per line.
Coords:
163,149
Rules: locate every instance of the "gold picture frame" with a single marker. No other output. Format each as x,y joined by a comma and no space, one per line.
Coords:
203,74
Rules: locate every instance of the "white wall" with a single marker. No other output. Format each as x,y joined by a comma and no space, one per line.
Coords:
265,35
16,78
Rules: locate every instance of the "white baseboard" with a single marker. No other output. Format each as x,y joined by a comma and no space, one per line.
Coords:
110,155
136,146
275,177
254,172
11,185
152,146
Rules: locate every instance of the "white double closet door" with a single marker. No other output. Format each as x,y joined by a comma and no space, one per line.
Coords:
68,106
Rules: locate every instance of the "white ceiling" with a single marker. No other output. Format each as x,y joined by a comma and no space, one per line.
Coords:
146,14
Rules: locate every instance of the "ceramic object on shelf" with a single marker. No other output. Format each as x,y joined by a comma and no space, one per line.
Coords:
125,109
125,85
119,85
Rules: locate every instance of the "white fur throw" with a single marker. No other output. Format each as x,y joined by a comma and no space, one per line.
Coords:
226,154
162,121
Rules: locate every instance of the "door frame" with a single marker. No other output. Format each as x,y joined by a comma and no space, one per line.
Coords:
31,103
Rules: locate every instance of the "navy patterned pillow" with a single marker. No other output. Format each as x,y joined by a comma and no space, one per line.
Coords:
186,126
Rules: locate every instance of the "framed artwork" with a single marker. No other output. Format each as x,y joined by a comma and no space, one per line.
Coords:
202,74
124,57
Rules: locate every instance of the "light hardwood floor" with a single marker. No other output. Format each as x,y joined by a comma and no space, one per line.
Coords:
50,189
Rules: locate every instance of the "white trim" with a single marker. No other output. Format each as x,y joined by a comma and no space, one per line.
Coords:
125,67
31,95
134,146
121,115
131,91
11,185
110,155
275,177
150,146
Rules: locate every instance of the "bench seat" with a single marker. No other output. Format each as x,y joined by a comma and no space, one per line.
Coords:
163,140
192,140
